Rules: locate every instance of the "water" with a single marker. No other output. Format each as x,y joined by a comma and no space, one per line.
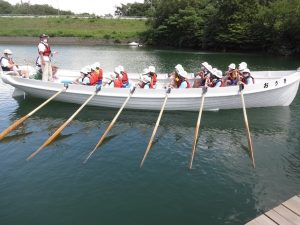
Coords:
223,188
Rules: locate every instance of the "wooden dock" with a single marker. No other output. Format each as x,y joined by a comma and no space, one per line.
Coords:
287,213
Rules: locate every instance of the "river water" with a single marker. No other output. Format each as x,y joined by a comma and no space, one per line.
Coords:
222,188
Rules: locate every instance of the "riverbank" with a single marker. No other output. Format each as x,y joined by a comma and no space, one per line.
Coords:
71,30
66,41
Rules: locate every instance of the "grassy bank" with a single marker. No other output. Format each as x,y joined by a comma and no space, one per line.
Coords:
98,28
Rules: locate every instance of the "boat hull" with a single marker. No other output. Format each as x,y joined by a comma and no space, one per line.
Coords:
278,91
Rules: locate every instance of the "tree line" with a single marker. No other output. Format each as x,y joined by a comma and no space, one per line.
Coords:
28,9
256,25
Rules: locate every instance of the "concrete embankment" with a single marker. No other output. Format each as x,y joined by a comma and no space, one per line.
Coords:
63,41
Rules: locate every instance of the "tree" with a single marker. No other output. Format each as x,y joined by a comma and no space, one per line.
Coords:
5,7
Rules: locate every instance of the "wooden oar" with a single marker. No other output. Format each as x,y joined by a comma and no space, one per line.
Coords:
110,125
247,126
18,122
204,90
59,130
156,126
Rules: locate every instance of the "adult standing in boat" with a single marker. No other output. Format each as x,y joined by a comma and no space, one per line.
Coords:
45,55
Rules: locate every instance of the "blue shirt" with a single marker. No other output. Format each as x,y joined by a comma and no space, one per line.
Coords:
183,84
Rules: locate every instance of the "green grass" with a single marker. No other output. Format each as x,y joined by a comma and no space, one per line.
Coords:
73,27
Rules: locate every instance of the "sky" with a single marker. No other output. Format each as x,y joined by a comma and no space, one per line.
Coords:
98,7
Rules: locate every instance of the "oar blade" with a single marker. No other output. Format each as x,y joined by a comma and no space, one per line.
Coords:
12,127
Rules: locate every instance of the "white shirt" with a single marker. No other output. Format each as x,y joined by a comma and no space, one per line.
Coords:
5,62
42,48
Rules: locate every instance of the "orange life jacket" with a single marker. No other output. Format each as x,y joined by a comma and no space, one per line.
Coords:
100,74
125,77
117,83
179,81
47,51
93,78
153,80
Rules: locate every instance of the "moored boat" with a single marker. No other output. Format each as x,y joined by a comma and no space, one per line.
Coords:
271,88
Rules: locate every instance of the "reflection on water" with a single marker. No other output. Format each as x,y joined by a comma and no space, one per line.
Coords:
222,187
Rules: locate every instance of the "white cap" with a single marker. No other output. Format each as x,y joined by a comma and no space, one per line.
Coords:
242,66
146,71
7,51
219,74
152,69
183,73
232,66
178,68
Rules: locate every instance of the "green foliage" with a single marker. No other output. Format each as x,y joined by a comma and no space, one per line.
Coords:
28,9
270,25
133,9
5,7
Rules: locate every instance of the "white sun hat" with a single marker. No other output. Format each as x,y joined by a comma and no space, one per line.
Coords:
183,74
246,70
178,68
7,51
121,68
88,69
219,74
146,71
83,70
205,64
242,66
152,69
232,66
93,66
97,64
117,70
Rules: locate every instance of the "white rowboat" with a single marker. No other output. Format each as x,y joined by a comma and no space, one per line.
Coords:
271,88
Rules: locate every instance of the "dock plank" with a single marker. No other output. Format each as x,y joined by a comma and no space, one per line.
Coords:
278,218
287,214
293,204
261,220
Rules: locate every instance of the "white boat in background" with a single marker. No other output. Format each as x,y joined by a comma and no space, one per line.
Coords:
134,44
271,88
